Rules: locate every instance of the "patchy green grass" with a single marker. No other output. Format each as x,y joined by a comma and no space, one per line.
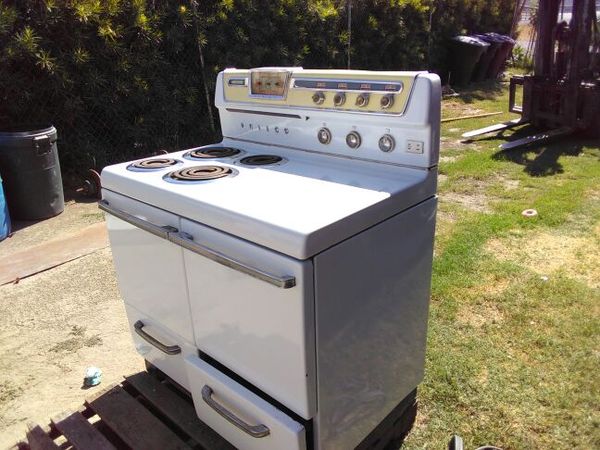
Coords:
514,339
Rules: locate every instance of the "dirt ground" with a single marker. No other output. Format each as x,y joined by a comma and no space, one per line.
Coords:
54,325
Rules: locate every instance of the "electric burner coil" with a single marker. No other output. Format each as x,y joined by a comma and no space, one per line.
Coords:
153,164
198,174
261,160
212,153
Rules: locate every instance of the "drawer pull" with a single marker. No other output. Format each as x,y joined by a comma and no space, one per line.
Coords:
256,431
168,349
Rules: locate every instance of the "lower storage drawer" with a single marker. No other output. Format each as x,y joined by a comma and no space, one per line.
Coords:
158,346
244,419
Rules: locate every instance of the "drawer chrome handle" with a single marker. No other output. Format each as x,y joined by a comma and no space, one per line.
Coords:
256,431
168,349
157,230
187,241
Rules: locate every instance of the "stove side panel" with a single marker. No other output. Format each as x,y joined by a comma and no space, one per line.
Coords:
372,299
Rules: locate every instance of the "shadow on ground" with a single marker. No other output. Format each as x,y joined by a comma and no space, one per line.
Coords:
544,160
70,195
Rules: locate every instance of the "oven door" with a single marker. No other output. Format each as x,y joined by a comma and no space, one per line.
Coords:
252,311
149,268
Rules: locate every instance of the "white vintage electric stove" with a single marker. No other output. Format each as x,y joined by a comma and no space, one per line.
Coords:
282,276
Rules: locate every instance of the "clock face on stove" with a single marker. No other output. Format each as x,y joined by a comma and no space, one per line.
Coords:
269,83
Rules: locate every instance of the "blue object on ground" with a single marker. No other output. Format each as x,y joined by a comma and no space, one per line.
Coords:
93,375
4,217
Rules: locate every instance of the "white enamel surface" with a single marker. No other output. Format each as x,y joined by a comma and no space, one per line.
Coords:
284,433
298,208
262,332
371,302
172,365
149,269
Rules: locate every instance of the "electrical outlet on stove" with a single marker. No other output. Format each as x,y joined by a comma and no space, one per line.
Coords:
414,146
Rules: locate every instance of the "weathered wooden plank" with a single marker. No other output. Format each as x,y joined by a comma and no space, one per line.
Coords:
80,433
182,413
134,424
39,440
496,127
53,253
470,116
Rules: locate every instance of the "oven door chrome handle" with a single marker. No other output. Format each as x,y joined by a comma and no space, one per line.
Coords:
256,431
168,349
187,241
157,230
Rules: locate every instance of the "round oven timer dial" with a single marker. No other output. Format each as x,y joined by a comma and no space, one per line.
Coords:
324,136
318,98
353,140
362,100
387,101
386,143
339,99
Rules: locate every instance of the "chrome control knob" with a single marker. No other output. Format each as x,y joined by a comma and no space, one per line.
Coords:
362,100
387,101
353,139
339,99
324,136
318,98
387,143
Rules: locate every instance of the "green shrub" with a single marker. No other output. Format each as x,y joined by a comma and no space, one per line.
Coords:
121,79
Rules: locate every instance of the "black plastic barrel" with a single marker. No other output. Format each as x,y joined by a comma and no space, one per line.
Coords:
31,172
503,53
482,68
465,52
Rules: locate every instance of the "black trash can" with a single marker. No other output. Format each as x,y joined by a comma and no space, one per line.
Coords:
503,53
31,172
464,53
482,68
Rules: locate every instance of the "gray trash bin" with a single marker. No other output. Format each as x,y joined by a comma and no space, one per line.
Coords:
465,53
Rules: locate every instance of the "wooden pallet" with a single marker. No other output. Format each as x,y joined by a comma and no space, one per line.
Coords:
142,412
149,411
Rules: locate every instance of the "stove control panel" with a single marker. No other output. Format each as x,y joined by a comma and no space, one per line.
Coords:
339,90
389,117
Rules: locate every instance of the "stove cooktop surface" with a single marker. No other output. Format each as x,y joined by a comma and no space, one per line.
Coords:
295,203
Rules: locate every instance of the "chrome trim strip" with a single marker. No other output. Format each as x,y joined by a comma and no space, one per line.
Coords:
157,230
256,431
186,241
263,113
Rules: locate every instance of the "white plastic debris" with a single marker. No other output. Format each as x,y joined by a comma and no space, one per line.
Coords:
93,376
529,213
